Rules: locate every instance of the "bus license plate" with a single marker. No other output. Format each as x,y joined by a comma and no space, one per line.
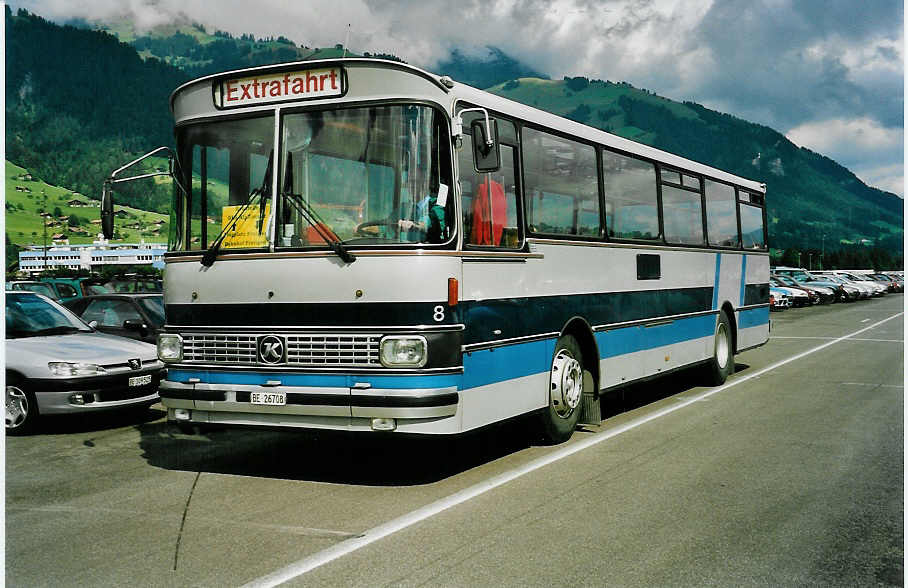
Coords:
140,380
268,398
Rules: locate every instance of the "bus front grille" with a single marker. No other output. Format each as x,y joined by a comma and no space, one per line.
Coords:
316,350
333,350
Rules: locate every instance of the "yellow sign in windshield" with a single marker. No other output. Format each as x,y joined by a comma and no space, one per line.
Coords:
246,232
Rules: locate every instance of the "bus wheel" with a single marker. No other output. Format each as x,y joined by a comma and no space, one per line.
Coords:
722,363
560,418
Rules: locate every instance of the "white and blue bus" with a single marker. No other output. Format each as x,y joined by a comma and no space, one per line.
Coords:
361,245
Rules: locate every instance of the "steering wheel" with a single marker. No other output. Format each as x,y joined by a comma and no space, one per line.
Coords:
360,228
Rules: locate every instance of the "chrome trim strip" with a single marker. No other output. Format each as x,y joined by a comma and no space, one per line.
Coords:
656,247
650,322
185,257
653,322
504,342
301,370
420,412
496,259
753,306
658,323
296,329
405,392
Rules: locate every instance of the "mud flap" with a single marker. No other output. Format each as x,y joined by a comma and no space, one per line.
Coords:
590,412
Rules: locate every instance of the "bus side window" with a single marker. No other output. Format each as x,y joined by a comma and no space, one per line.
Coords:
631,201
562,187
489,202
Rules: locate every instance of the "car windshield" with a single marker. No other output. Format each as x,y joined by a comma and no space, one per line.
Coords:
38,287
29,315
154,308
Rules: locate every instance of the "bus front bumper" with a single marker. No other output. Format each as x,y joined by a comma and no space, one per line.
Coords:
357,407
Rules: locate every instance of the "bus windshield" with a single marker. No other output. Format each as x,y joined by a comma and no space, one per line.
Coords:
365,176
379,175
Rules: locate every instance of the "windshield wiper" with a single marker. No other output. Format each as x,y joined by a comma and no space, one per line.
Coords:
317,223
262,192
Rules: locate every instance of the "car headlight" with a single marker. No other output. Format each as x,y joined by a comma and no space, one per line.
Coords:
403,351
67,369
170,347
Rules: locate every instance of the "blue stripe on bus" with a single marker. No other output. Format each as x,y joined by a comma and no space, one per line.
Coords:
640,338
743,277
315,380
500,364
716,281
753,317
491,366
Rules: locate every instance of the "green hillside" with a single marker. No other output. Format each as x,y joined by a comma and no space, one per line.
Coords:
25,201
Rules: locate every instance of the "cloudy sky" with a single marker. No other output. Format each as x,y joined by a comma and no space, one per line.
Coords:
829,74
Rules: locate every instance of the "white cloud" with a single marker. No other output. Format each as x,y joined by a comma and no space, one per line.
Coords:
840,135
873,152
886,177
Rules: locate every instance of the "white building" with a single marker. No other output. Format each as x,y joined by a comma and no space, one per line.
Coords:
100,253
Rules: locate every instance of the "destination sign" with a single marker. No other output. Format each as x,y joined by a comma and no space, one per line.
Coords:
279,87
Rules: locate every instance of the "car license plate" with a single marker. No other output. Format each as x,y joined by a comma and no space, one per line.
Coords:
268,398
140,380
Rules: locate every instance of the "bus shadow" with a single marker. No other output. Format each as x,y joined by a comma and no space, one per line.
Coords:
369,459
67,424
641,394
329,456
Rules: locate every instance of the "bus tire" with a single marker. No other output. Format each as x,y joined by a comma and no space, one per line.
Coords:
560,417
722,363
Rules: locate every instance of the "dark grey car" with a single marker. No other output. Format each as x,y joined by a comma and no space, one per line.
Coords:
137,316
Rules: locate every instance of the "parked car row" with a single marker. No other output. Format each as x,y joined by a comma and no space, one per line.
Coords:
799,287
56,363
66,289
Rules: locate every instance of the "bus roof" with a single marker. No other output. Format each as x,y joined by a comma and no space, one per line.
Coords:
463,92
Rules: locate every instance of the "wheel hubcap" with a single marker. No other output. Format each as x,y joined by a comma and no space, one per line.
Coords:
16,407
723,348
566,384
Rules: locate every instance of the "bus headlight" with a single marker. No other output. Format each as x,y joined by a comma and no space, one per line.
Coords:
404,351
170,347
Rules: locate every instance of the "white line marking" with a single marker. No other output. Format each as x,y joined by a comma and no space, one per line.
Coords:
865,320
316,560
851,339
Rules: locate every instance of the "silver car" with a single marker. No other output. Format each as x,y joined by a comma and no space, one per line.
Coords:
57,364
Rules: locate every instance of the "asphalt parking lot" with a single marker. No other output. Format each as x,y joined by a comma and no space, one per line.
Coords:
790,474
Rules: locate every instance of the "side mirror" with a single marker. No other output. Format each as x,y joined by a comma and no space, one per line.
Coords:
486,150
107,211
134,325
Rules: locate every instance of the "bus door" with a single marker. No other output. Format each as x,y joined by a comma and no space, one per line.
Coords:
491,226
